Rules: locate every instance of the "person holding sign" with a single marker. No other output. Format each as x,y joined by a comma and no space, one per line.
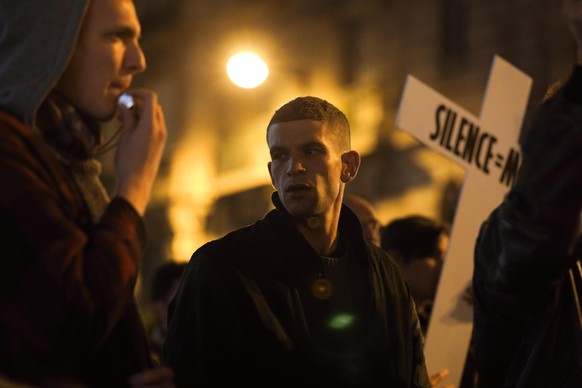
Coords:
527,279
298,298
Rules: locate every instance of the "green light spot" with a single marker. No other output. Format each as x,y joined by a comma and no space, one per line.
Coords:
341,321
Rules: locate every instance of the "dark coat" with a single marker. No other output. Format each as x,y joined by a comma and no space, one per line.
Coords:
67,310
245,313
527,282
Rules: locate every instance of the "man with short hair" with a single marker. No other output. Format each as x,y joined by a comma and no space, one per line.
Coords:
298,298
71,256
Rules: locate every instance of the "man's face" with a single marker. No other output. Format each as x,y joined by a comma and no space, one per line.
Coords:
305,167
106,58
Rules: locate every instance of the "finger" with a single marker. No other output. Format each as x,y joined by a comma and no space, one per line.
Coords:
438,377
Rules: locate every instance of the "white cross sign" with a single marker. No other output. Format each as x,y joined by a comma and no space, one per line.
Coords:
487,148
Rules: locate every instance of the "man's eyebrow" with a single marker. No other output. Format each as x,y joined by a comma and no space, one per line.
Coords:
276,148
313,144
126,31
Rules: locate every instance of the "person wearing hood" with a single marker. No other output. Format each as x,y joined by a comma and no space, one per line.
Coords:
71,254
299,298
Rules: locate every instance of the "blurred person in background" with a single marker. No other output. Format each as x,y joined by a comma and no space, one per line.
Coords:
367,215
419,245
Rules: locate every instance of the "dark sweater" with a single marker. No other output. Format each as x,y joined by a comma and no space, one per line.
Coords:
249,310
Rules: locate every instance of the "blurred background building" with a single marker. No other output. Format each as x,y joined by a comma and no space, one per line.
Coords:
356,54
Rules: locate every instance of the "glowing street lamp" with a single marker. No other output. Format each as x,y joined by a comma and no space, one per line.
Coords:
247,70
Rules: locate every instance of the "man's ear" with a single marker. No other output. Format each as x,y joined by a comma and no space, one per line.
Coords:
350,165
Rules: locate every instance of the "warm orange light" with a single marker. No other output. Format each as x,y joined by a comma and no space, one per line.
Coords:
247,70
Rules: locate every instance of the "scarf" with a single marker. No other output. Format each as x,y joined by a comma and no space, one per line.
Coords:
74,139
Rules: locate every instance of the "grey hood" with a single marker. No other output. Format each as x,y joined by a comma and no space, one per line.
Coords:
37,38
